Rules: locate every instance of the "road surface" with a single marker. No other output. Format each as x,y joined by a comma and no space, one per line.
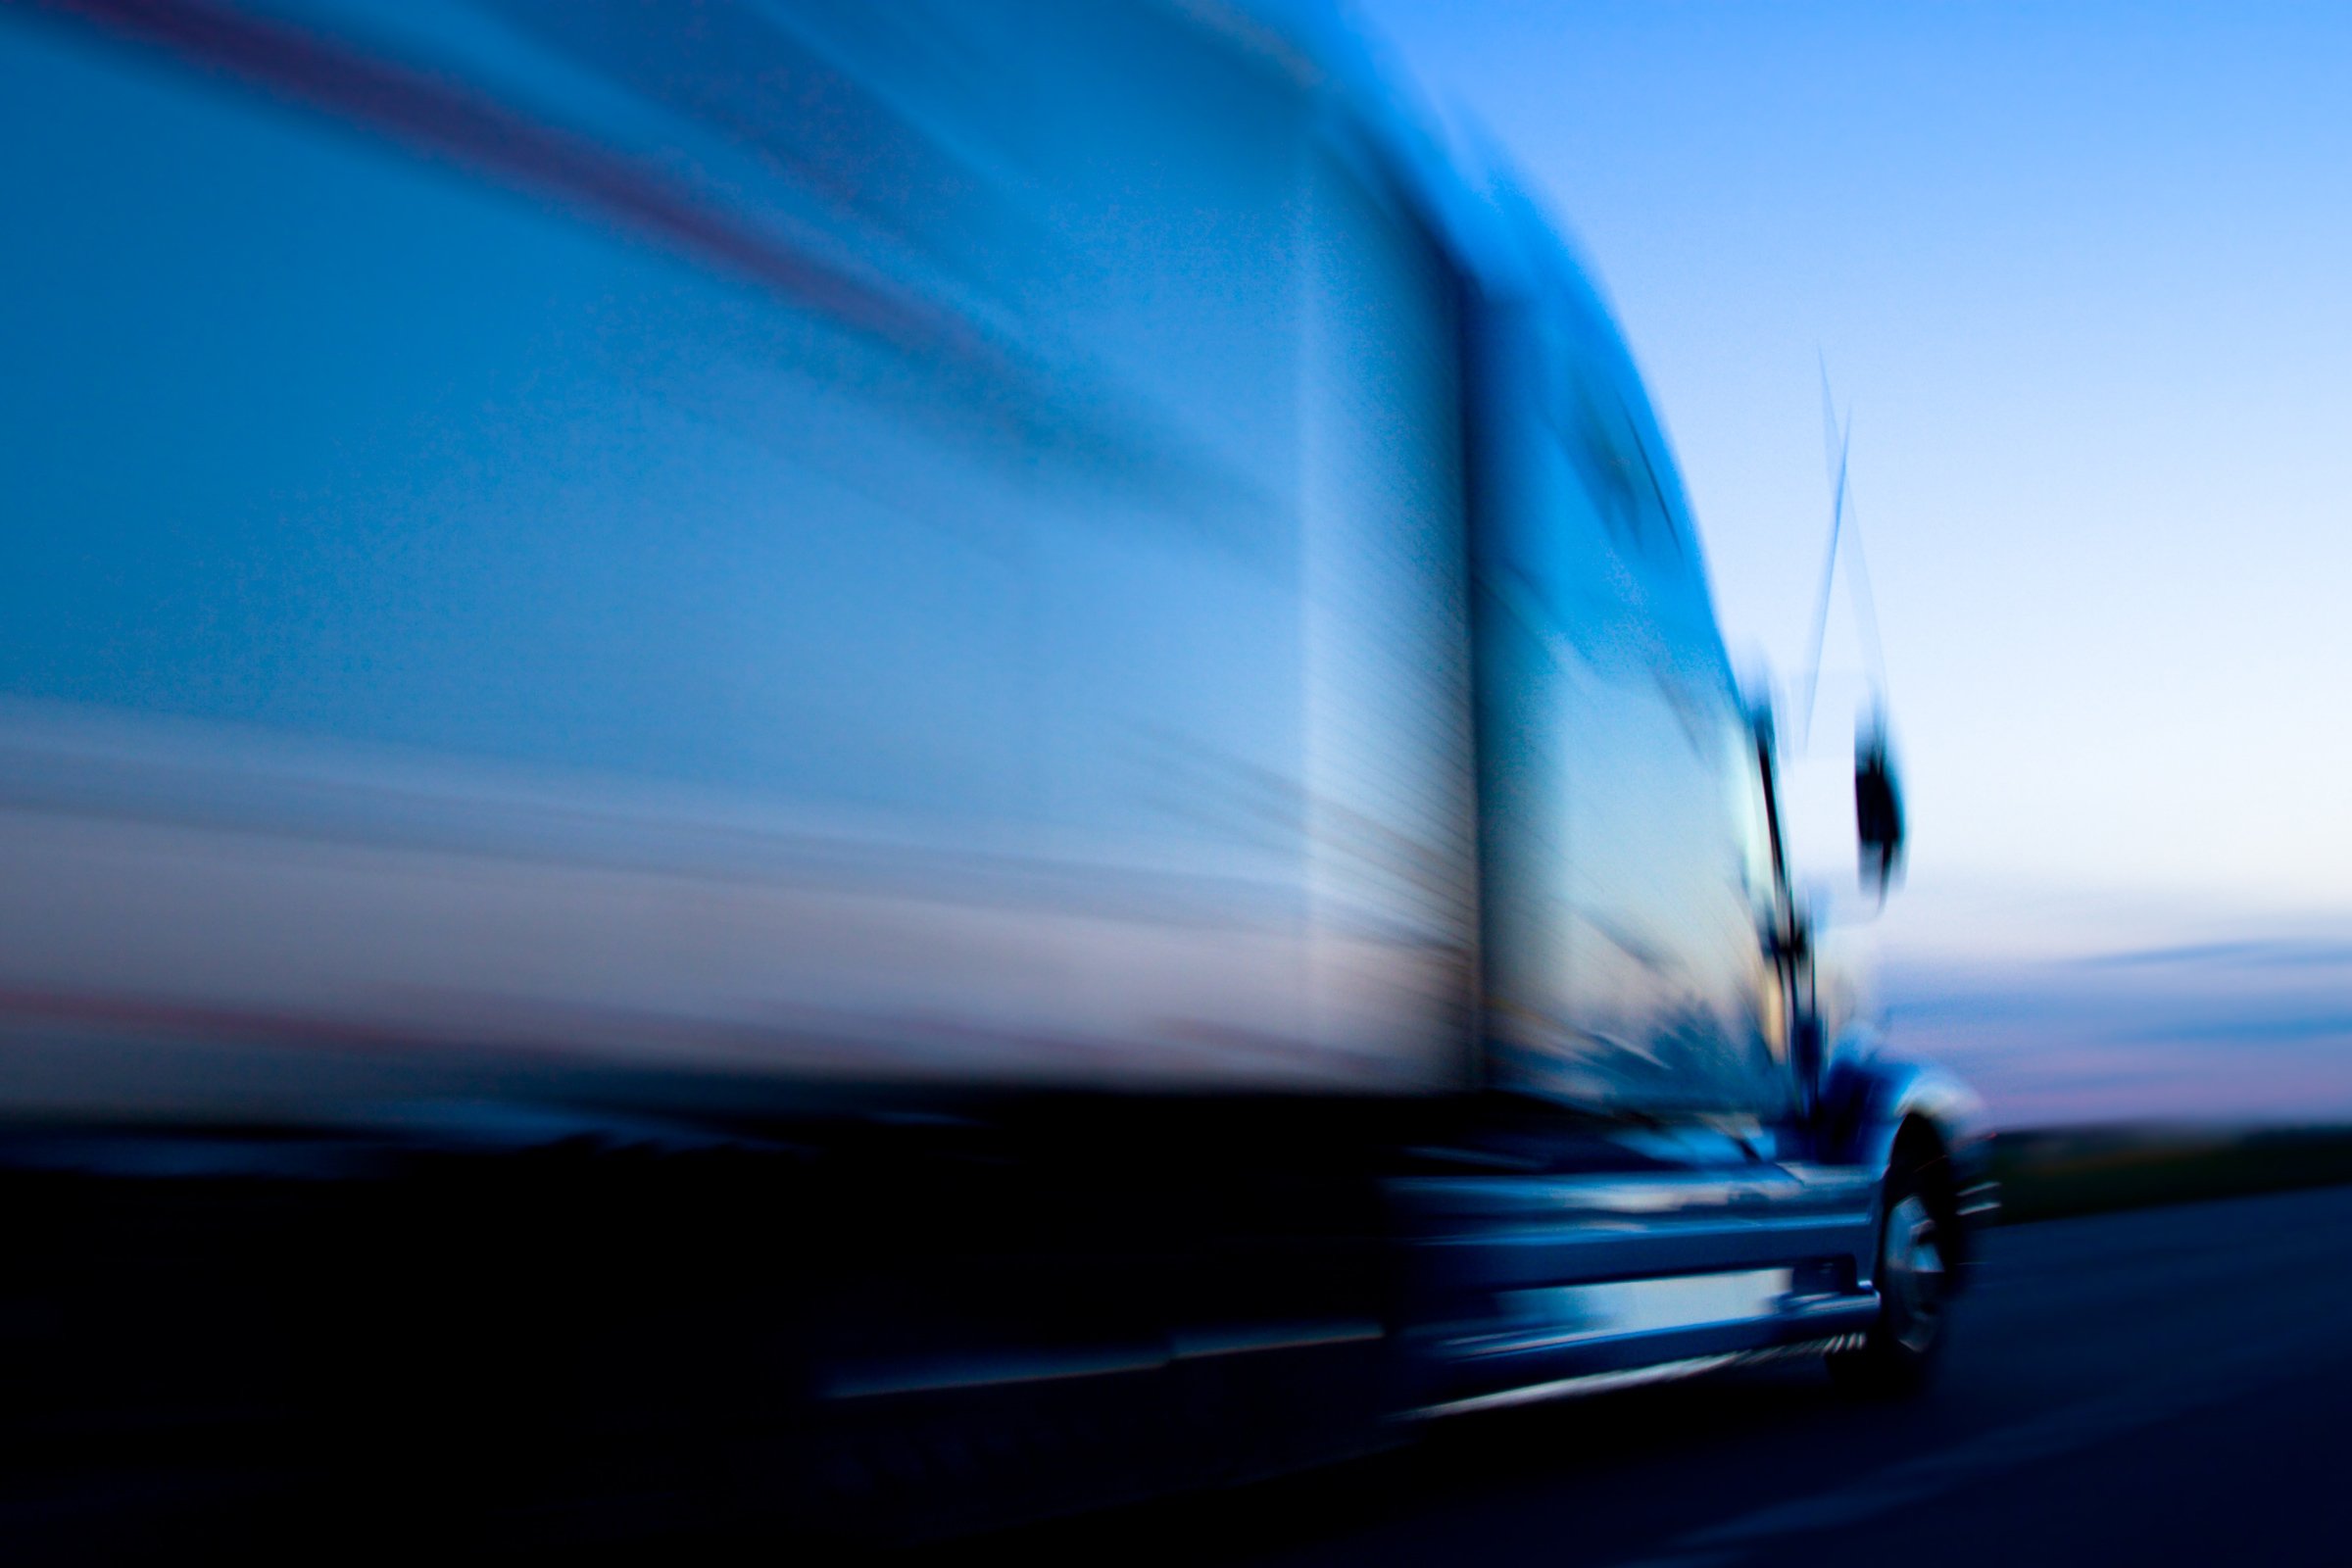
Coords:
2171,1385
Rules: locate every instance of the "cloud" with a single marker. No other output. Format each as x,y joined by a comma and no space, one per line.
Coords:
2239,1028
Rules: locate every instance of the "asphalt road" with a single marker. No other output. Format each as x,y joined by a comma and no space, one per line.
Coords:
2171,1385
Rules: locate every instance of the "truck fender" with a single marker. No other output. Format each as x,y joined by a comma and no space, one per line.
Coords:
1871,1103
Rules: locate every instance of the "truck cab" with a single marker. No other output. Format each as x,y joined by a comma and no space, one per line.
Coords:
1726,1169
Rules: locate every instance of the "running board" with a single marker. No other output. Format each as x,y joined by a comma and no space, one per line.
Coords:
1591,1383
1610,1333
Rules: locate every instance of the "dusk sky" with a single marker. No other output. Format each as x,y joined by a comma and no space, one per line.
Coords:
2082,273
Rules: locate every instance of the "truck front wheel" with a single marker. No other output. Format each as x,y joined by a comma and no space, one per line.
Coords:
1898,1355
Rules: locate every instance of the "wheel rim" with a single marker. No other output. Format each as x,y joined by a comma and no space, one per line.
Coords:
1913,1283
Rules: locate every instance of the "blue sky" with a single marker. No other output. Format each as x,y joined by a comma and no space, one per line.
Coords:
2082,274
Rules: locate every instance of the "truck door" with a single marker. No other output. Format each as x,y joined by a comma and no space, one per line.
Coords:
1624,850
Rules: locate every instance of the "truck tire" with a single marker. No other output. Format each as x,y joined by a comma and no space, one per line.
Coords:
1899,1353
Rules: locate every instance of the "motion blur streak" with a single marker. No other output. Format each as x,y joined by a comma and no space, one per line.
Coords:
427,113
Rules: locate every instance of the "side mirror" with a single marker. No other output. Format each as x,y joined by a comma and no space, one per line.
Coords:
1878,812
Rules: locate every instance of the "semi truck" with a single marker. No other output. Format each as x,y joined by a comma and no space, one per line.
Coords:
891,767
